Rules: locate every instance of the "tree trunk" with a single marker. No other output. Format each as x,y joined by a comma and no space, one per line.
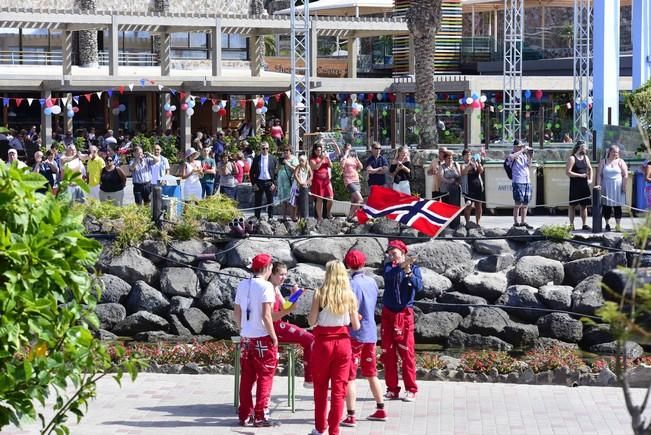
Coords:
88,55
424,20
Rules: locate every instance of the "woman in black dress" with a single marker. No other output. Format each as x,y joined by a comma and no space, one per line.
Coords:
473,185
579,169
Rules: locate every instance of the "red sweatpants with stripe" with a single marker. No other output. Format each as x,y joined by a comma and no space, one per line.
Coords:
288,333
331,356
397,333
258,361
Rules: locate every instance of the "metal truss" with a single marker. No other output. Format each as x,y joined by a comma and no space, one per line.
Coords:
512,77
582,68
300,68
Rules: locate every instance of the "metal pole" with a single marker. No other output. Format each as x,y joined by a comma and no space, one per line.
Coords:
596,210
466,125
487,126
541,117
157,206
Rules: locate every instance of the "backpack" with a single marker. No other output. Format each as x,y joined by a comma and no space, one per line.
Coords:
508,168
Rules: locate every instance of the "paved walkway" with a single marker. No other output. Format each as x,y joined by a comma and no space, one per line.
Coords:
203,404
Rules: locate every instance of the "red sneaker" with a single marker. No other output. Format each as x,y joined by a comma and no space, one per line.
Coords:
349,421
378,415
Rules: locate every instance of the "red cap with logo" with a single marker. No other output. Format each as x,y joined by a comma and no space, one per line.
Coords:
355,259
260,261
397,244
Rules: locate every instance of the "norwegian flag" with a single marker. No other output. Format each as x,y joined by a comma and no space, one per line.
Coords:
427,216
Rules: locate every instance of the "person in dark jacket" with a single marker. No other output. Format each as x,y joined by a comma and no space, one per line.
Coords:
263,179
402,280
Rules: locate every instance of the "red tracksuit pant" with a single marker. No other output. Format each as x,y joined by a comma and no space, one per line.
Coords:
288,333
397,333
331,356
258,361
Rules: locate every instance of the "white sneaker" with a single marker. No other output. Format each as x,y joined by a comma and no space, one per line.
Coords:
315,432
308,385
409,397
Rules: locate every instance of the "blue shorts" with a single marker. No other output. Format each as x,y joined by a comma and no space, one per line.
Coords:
521,192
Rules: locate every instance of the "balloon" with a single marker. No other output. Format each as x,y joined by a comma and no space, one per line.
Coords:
166,107
361,96
461,101
168,114
469,100
379,96
527,94
568,105
392,97
70,114
172,108
538,94
56,109
184,106
122,107
353,97
476,104
259,104
474,96
191,103
258,111
215,108
222,112
189,111
75,109
264,110
482,98
115,111
355,112
48,103
69,106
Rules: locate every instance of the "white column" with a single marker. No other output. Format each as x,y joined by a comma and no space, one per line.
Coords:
605,62
353,49
256,55
46,121
314,47
114,47
165,122
67,120
66,52
641,38
216,47
185,128
165,53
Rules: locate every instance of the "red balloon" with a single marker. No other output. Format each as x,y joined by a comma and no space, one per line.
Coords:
259,104
476,104
482,105
538,94
184,106
75,109
168,114
392,97
370,96
48,103
355,112
222,112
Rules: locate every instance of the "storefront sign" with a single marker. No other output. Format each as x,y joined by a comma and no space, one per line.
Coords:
325,67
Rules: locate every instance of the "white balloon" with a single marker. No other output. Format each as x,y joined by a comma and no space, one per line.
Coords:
56,109
469,100
189,111
258,111
172,108
116,111
69,107
353,97
482,98
215,108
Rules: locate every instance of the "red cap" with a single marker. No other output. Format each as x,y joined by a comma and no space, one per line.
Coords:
398,244
260,261
355,259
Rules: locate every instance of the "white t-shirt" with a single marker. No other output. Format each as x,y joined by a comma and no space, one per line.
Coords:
328,318
251,294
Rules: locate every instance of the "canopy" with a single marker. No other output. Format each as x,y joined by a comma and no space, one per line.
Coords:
489,5
347,8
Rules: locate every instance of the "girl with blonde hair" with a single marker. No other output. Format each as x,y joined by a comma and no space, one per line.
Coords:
334,307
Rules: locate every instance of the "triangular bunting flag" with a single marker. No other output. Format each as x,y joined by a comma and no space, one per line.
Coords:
131,87
19,101
142,82
41,101
99,94
5,101
203,100
121,90
54,100
75,98
173,91
88,97
110,93
160,87
30,101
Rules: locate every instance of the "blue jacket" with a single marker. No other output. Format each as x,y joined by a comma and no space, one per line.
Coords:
400,290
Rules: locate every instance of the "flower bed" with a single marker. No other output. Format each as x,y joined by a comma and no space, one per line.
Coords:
550,365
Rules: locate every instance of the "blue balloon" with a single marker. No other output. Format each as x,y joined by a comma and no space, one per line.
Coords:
527,94
47,111
191,103
474,96
166,106
122,107
263,109
71,114
361,96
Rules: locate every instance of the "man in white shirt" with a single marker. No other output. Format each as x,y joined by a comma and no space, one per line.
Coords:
259,345
161,169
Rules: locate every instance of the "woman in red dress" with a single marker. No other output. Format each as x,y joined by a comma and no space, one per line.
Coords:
321,186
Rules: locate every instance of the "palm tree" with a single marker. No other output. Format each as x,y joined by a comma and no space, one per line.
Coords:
88,55
423,21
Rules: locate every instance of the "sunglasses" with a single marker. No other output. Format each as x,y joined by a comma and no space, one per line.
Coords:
377,148
265,148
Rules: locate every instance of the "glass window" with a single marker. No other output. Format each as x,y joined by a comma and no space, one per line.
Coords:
189,54
198,40
136,41
180,39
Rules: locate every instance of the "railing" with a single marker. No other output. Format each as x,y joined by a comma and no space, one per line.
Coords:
127,58
30,57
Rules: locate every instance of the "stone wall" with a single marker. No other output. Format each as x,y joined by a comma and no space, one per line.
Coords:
170,292
143,6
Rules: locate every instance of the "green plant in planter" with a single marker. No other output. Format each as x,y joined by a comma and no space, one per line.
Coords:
144,142
557,233
255,142
337,181
169,149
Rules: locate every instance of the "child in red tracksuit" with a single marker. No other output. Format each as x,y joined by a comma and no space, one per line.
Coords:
402,280
259,345
333,308
286,332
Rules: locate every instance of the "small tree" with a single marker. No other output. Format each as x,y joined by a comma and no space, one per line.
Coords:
47,300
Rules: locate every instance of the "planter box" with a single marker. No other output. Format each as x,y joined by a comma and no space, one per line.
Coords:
340,208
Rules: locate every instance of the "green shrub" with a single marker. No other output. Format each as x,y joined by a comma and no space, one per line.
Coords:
429,361
47,351
144,142
169,149
185,229
484,361
553,357
216,208
337,181
557,233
